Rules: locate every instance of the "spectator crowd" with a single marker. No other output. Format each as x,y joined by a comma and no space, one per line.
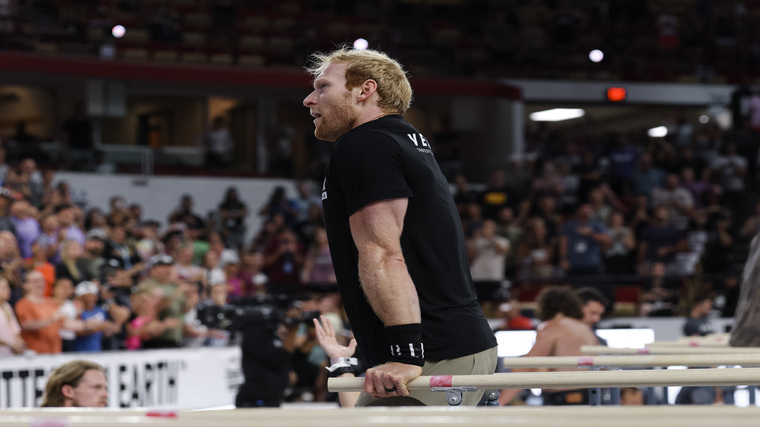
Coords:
663,216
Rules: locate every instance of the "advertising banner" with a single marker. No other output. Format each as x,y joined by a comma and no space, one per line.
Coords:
177,378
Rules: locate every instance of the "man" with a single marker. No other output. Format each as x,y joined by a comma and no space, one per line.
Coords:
678,200
659,242
488,253
594,306
305,199
39,316
185,214
219,145
76,384
395,234
92,260
171,305
496,195
118,248
77,137
580,247
730,170
562,333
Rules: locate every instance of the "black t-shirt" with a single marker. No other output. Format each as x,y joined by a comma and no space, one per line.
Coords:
697,326
233,222
386,159
80,133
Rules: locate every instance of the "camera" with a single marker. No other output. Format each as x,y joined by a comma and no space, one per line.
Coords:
269,311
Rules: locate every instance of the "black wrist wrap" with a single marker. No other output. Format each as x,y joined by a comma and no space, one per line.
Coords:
342,370
406,344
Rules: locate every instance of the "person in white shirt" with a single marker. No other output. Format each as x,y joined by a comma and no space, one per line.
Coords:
219,145
678,200
488,252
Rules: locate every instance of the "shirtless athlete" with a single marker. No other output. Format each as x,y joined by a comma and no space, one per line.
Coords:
562,333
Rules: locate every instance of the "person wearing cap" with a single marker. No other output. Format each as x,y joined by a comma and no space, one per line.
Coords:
117,247
172,304
90,337
92,260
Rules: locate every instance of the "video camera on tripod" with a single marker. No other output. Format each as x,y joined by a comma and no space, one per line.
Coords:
270,310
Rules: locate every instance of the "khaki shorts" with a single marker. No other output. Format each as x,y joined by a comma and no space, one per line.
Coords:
483,363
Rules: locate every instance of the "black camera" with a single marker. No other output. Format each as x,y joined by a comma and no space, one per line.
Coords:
269,311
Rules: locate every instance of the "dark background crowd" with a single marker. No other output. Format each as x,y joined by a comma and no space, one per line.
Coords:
684,40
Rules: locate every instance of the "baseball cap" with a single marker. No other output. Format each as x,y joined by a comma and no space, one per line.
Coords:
161,259
228,257
96,233
216,276
86,287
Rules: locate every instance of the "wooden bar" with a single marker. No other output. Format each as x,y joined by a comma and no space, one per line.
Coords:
574,379
714,339
639,361
600,349
692,342
521,416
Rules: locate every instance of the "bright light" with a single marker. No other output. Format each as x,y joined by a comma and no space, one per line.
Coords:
658,132
703,119
557,114
596,55
118,31
361,44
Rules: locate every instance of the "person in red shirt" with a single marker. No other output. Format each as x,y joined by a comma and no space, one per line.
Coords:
514,320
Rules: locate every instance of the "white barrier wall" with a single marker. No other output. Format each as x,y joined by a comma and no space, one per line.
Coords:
665,328
176,379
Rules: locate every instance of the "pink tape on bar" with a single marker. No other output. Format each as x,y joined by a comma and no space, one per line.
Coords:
693,343
161,414
642,351
585,361
441,381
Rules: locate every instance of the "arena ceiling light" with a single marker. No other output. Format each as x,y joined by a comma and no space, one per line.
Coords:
658,132
557,114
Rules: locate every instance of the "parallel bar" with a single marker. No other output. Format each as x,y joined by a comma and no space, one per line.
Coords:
713,339
575,379
693,342
600,349
519,416
640,361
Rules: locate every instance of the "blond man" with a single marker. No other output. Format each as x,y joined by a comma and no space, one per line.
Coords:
76,384
395,236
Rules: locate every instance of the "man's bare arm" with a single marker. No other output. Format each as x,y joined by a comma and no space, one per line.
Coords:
543,346
376,229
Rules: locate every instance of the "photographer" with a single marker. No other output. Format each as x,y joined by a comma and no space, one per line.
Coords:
268,345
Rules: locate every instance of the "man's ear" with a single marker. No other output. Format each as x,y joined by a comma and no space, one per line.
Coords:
367,89
67,391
